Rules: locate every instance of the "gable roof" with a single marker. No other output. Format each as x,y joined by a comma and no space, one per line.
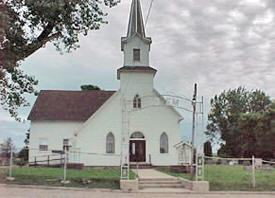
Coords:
68,105
182,143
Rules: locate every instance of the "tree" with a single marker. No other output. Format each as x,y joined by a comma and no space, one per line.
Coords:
28,25
24,153
27,139
5,148
226,110
207,148
89,87
221,151
257,132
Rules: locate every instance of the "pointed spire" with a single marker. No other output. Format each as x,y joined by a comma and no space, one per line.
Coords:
136,24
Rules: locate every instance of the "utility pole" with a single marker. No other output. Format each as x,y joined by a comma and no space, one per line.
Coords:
194,101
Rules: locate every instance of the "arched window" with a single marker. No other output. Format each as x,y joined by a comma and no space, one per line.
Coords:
110,143
137,102
138,135
164,143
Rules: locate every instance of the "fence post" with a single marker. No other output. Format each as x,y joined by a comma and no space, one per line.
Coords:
10,168
10,171
48,160
65,167
253,172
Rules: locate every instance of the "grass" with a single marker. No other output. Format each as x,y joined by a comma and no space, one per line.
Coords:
227,178
98,177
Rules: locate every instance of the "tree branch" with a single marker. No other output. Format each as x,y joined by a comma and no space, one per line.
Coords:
36,45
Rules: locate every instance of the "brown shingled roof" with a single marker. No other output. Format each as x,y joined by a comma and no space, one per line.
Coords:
68,105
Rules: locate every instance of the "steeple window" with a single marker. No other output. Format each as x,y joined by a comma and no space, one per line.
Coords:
137,102
136,54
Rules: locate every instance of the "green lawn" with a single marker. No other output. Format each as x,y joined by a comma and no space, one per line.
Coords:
99,177
225,177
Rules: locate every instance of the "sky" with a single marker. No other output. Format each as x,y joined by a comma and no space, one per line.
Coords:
218,44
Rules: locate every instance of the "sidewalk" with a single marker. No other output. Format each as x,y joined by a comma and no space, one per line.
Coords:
151,174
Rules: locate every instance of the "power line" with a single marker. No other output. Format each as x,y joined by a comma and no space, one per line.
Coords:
149,12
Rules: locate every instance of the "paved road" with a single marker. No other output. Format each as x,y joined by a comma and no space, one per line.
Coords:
19,192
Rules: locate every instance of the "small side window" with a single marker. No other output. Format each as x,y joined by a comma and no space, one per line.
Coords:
66,145
43,147
43,144
136,54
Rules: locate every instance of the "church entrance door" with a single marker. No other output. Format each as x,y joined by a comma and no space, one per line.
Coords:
137,151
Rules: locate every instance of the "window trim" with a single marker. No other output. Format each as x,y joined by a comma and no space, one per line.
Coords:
137,102
166,149
43,142
46,147
136,54
67,145
112,150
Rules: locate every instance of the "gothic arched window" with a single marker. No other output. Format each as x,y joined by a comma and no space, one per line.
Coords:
110,143
137,102
163,143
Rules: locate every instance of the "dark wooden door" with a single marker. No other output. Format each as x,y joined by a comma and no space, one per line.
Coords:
137,151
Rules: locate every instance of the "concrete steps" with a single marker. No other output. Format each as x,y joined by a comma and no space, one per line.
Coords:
160,183
140,165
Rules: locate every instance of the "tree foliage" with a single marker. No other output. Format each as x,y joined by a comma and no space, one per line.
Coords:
27,139
28,25
257,133
226,111
207,149
24,155
24,152
6,147
89,87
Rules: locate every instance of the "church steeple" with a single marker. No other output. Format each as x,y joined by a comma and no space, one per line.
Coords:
136,25
136,76
136,45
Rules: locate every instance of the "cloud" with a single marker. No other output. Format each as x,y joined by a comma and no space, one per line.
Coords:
4,116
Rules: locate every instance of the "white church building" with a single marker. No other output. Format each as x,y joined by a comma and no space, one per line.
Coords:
96,126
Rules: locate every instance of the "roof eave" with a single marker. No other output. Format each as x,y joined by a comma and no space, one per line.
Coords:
125,40
123,69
